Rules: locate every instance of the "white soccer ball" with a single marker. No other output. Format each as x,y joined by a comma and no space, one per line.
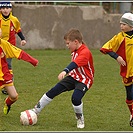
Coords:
28,117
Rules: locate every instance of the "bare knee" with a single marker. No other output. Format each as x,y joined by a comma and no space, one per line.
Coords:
14,97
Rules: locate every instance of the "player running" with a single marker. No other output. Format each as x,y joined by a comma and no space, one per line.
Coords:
10,51
10,26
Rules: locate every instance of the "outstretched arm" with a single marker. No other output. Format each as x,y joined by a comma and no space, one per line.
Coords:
28,58
117,57
70,67
12,51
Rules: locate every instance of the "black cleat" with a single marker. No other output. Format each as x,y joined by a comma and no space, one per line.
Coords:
4,91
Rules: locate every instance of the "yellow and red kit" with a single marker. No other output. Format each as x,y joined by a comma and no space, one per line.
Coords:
10,27
8,50
122,44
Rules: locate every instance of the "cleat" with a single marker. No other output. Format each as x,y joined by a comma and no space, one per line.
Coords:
4,91
131,121
80,122
6,109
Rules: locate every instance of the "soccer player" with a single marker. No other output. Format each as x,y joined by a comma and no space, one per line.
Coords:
120,47
77,76
10,26
10,51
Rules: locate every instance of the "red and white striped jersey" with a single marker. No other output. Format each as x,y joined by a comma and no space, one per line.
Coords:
85,71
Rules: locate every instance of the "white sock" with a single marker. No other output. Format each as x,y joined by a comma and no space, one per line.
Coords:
78,109
42,103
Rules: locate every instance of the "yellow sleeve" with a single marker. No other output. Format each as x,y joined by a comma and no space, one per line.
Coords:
113,44
10,50
16,23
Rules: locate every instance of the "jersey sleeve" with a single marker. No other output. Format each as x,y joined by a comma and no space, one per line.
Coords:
83,58
16,24
12,51
28,58
112,45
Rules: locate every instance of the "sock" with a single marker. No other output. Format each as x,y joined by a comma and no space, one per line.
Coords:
78,110
42,103
130,105
10,101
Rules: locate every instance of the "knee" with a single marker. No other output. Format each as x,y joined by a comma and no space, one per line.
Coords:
14,98
75,100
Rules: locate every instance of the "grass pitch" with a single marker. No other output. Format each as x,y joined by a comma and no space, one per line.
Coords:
104,104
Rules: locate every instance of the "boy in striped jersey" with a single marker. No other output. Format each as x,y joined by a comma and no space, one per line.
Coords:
77,76
120,47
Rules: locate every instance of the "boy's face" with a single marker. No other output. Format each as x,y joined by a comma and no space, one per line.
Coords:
5,10
125,27
72,45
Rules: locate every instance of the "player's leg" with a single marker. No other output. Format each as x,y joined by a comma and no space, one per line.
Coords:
77,96
12,97
128,82
129,101
9,60
48,97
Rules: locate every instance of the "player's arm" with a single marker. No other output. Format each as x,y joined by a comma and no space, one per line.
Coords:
28,58
15,52
18,30
117,57
113,54
23,41
69,68
21,36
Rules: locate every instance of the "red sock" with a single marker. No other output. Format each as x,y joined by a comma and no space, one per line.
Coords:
9,101
130,105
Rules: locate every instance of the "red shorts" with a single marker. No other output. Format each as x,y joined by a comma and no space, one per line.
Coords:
5,83
128,81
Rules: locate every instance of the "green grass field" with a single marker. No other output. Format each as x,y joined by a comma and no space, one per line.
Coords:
104,104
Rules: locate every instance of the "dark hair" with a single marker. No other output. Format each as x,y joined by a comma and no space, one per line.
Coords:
73,34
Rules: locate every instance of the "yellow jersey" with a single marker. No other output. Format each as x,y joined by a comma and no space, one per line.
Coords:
122,44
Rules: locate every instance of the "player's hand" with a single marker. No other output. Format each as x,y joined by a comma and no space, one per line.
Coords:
61,75
121,61
36,62
23,42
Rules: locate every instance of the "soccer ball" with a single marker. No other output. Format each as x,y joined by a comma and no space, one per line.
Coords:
28,117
